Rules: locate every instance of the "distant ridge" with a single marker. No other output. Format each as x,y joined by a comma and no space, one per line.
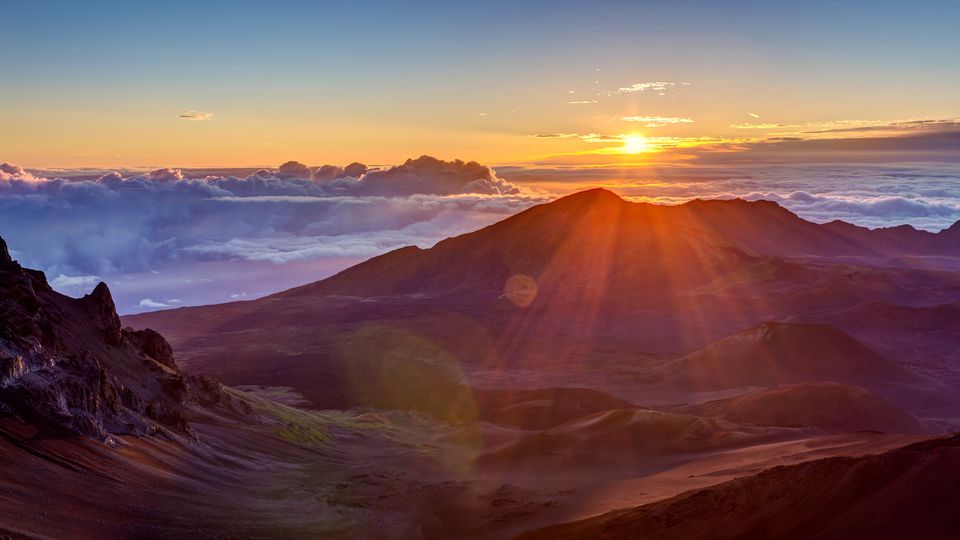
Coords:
640,243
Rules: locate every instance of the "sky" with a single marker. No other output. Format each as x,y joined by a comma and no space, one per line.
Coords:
187,84
202,152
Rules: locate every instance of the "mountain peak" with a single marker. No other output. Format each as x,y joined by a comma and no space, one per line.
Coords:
594,194
591,198
104,312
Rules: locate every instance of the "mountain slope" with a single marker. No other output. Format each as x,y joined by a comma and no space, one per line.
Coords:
593,239
578,288
594,236
779,353
626,441
827,406
910,492
103,436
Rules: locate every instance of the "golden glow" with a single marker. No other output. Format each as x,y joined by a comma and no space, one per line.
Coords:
634,144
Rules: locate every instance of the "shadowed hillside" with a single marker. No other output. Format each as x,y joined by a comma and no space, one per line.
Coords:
906,493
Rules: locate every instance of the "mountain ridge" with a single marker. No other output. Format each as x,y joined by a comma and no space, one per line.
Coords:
747,229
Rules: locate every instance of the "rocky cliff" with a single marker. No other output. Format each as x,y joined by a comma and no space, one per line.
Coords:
67,365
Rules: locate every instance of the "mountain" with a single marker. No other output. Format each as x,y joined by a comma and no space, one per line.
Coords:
595,238
829,407
587,291
775,353
904,493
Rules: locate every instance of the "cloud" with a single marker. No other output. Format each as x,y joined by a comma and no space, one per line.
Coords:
74,285
750,125
196,116
930,143
167,226
880,210
160,235
426,175
9,171
160,175
556,135
926,196
582,102
853,126
656,86
151,304
295,169
656,121
753,115
331,172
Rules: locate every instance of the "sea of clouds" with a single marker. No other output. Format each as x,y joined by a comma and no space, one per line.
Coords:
168,238
161,238
925,195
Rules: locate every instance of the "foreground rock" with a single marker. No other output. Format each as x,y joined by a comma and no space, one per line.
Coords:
66,365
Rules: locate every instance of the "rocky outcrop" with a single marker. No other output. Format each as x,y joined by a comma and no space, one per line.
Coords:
151,345
4,253
66,365
103,313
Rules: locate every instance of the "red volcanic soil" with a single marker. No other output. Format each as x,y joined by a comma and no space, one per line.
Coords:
778,353
829,407
626,442
905,493
541,408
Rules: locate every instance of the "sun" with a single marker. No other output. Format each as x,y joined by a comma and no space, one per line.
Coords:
634,144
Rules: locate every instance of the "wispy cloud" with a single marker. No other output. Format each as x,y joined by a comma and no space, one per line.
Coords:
196,115
751,125
582,102
902,125
660,87
753,115
852,126
656,121
556,135
152,304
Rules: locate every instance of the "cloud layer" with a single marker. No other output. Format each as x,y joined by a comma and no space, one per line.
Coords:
79,231
170,237
924,195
